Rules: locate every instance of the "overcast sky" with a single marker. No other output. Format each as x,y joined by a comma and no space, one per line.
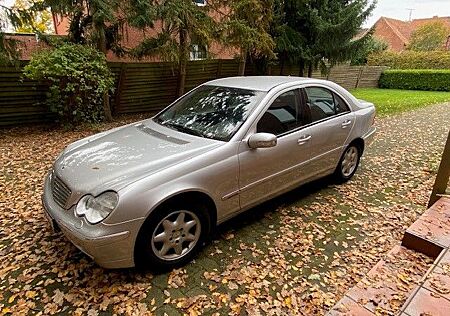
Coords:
398,9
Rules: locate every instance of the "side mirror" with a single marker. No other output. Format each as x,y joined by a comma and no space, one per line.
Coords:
262,140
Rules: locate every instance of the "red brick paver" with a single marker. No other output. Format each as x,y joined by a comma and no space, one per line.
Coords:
386,287
426,302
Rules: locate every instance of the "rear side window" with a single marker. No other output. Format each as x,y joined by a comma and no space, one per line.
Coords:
323,103
341,106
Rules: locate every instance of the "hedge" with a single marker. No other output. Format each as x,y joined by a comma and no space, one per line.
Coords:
416,79
411,60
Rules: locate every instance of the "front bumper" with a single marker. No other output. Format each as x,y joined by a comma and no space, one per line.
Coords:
111,246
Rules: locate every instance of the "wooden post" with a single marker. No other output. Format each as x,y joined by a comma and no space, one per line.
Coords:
219,68
440,186
120,87
360,72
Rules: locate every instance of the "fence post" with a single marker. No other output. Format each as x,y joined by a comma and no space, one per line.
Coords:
440,185
219,68
360,72
120,86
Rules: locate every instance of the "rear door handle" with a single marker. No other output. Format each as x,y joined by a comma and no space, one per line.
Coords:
302,140
346,124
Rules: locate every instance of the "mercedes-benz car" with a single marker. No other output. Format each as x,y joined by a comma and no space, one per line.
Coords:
151,192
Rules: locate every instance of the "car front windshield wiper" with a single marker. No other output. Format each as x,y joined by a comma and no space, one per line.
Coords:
183,129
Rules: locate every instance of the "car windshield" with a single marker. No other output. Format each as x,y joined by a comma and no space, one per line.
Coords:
211,111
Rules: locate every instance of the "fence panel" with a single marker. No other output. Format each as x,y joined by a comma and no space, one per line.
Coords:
149,87
21,99
370,76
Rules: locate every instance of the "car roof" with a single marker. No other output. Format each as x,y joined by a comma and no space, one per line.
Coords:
259,83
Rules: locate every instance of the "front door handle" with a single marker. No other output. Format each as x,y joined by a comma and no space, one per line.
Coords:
346,124
302,140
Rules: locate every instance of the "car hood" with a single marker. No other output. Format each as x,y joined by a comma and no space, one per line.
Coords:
111,160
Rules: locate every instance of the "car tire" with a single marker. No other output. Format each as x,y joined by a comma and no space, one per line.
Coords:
348,164
172,236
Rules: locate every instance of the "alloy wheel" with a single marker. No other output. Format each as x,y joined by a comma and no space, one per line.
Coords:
176,235
350,161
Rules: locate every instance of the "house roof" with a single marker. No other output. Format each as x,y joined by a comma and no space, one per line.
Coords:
404,29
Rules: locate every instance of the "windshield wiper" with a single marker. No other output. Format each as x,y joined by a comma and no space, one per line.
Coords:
183,129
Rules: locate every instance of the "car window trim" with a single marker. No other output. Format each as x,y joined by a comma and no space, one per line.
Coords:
312,124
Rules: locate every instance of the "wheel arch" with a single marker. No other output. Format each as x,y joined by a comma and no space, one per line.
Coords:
359,142
180,197
188,195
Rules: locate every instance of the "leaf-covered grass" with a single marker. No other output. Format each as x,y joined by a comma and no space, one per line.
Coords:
391,101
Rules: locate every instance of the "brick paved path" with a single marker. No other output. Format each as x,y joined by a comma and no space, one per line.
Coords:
297,254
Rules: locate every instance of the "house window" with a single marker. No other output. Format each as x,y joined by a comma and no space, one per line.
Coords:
200,2
198,52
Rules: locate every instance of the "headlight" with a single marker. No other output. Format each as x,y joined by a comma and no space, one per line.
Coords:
96,209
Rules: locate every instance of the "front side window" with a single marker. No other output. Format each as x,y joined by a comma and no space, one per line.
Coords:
323,103
283,115
211,111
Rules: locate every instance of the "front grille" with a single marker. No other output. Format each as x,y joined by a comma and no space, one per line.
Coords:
60,191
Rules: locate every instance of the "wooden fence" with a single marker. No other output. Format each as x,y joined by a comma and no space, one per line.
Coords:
149,87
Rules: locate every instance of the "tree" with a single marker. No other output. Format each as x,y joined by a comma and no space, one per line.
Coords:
245,25
372,46
289,30
321,32
430,36
93,22
182,23
41,21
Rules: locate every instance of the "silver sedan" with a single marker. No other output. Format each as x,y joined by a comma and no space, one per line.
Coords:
151,192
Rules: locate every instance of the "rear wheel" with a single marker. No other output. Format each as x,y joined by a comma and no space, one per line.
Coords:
172,236
348,164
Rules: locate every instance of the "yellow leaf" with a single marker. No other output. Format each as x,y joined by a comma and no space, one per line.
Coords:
30,294
288,301
404,278
6,310
12,298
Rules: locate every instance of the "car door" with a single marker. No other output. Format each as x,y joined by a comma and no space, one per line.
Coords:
266,172
331,124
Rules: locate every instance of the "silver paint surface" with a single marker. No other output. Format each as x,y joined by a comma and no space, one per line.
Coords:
147,164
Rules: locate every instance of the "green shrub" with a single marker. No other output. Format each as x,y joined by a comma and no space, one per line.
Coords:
78,77
411,60
416,79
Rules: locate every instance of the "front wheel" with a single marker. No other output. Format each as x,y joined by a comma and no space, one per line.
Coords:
171,237
348,164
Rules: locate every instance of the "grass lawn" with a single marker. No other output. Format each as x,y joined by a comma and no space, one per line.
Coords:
391,101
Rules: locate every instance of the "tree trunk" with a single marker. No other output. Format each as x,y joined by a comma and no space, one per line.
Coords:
101,46
301,65
310,69
242,62
282,62
183,62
